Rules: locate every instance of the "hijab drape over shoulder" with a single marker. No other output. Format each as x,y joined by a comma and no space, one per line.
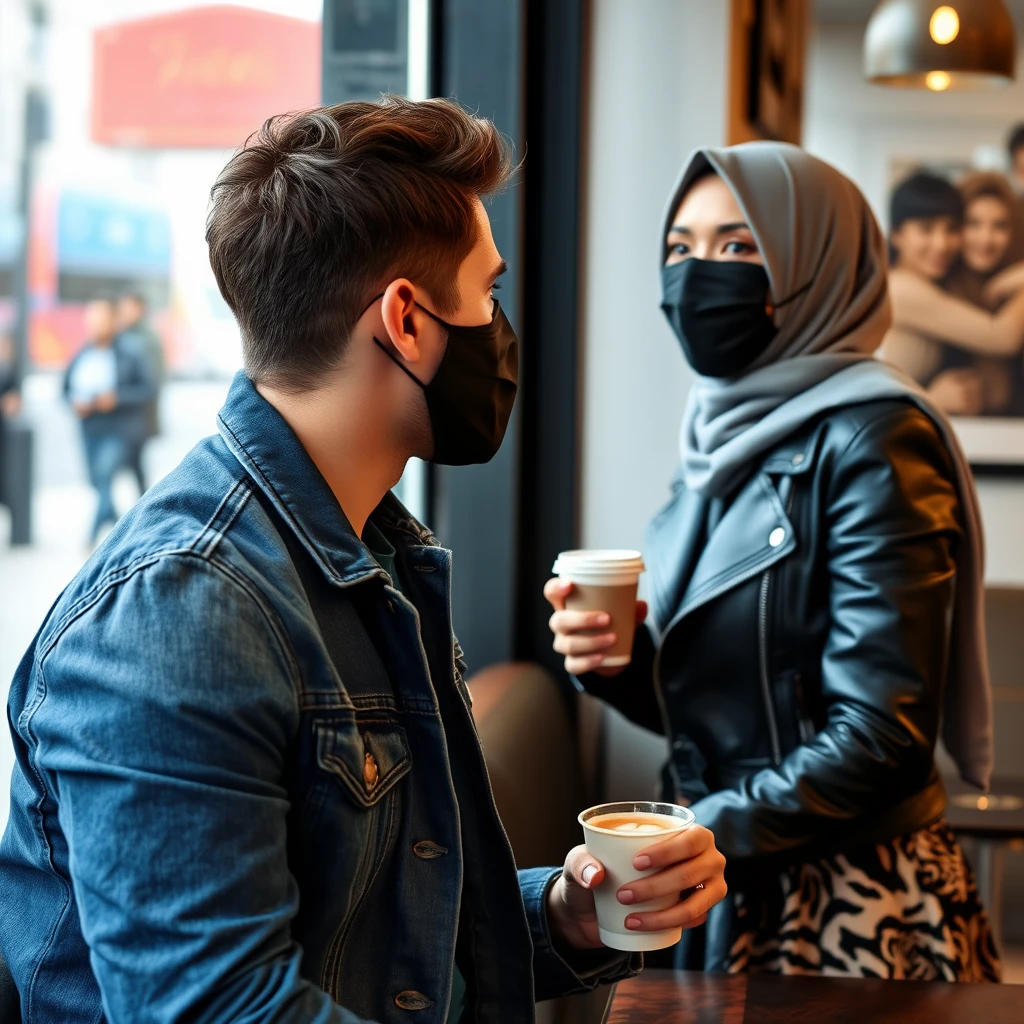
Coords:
821,243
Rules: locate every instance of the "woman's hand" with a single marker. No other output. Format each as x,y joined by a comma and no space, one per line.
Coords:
1005,284
583,637
686,861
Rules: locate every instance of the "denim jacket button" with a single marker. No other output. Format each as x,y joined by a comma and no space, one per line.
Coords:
426,850
412,1000
370,771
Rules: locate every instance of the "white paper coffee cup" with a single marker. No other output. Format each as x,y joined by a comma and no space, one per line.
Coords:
616,850
605,581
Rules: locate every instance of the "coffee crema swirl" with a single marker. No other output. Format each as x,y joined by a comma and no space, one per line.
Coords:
636,823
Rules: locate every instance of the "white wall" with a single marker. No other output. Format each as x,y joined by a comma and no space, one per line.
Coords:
657,90
865,129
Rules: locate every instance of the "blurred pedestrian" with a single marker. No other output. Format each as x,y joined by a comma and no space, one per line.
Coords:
10,404
136,330
108,386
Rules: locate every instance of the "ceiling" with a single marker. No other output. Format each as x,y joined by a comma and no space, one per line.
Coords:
857,11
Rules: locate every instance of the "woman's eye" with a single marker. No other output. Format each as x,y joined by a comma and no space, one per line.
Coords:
679,249
495,286
738,248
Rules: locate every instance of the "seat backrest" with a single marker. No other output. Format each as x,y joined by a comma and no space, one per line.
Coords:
532,757
10,1001
1004,622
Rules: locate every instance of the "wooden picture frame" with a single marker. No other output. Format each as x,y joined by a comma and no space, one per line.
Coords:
767,54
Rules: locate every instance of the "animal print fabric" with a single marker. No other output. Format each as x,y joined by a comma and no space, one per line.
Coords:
905,909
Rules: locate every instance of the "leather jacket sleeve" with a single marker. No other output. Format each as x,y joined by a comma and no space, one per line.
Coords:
892,535
631,691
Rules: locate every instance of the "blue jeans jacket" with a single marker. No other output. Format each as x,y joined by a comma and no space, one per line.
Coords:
248,784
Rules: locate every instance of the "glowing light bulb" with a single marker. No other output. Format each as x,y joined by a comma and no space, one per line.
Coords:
937,80
982,803
945,25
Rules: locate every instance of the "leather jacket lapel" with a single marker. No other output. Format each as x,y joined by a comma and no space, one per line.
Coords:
754,533
672,550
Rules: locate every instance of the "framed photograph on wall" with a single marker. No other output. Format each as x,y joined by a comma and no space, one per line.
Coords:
993,440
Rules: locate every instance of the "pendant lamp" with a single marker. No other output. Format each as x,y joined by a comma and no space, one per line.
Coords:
925,44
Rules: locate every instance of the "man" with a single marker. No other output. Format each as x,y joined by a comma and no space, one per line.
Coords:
108,385
250,787
1015,149
137,331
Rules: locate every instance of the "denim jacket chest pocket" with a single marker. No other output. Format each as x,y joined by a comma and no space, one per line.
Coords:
349,813
367,756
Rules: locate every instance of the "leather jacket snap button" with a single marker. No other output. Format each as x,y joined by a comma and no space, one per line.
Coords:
776,537
371,773
412,1000
798,459
427,850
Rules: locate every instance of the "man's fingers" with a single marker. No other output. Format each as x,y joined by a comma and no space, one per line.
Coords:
582,869
683,846
685,914
641,612
699,870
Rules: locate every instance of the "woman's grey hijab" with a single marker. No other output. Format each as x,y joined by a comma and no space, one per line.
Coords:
816,232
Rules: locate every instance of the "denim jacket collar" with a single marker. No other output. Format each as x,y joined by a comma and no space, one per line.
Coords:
267,447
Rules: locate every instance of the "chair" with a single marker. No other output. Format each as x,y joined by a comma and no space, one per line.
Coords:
10,1001
532,753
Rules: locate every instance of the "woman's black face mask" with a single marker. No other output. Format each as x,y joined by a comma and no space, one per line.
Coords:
470,398
719,312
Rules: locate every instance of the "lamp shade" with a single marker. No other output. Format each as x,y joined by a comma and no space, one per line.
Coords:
934,45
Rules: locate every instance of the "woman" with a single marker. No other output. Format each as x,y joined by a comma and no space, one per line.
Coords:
939,335
988,273
816,592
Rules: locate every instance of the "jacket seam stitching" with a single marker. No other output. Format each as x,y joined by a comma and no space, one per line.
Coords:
273,620
41,828
123,572
211,533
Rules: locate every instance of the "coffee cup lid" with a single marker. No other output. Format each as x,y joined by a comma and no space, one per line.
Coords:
597,560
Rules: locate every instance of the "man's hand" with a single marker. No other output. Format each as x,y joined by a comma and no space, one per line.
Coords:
106,402
82,409
685,861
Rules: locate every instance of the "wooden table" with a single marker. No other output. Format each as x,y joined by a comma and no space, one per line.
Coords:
691,997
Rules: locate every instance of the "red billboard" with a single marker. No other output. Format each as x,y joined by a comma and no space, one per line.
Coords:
207,76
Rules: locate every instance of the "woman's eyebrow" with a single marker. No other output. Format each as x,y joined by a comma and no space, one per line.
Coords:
722,229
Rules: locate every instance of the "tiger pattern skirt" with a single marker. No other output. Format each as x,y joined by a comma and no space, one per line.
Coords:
904,909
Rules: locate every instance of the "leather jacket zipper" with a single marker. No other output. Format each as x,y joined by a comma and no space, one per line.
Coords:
762,636
769,704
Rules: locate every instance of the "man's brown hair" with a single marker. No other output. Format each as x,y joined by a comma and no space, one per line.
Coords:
320,210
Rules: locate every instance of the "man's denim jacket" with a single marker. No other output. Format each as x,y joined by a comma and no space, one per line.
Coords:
248,783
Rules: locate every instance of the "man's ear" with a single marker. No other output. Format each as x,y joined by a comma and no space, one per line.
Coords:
399,312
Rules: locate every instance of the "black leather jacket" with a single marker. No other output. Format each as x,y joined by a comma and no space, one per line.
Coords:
796,659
